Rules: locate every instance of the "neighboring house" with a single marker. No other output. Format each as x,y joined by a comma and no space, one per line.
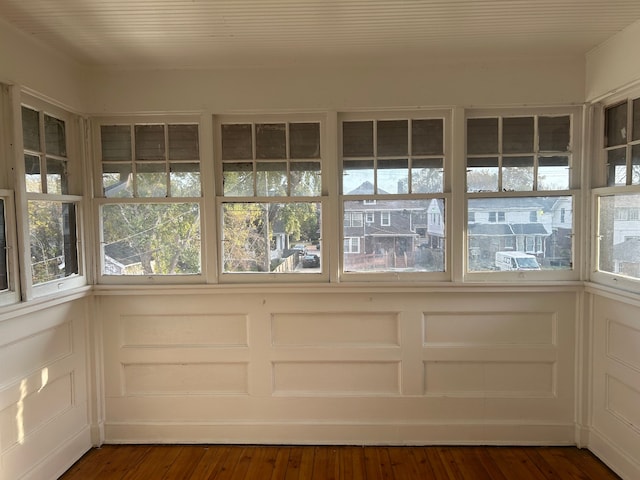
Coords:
121,259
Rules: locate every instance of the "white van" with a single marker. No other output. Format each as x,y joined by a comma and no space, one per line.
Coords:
516,261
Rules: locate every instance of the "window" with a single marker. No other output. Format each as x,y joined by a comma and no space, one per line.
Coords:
393,169
151,198
52,209
618,226
520,169
270,194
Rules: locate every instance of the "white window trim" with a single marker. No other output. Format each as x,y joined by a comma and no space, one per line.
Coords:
12,294
327,171
75,157
392,276
574,191
100,201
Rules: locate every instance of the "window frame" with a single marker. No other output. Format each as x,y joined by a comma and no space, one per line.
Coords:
12,294
446,115
322,199
75,153
601,187
573,191
100,200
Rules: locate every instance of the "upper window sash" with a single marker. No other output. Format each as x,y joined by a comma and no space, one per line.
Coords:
529,152
149,158
391,155
621,142
269,156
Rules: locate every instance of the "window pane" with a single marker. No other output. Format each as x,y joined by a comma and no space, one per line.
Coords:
271,140
271,179
636,119
116,142
237,179
236,142
635,165
554,133
427,137
393,137
52,233
150,142
54,135
151,180
393,176
617,167
427,175
524,233
553,173
183,142
304,140
517,135
151,239
357,177
616,125
260,237
117,180
30,129
32,173
409,237
305,179
4,272
517,174
184,179
357,139
482,174
482,136
619,223
57,178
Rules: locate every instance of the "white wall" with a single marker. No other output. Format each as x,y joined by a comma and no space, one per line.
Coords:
614,64
472,82
37,67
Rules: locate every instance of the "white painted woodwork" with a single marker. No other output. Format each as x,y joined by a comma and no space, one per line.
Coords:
44,396
323,367
615,387
250,33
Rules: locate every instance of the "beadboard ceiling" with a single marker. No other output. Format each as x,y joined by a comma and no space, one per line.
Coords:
244,33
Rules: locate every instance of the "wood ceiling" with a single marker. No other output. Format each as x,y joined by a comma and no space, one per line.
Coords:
245,33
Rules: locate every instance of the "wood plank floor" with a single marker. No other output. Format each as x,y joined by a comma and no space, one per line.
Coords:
208,462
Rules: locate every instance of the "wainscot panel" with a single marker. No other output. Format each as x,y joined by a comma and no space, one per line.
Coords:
354,365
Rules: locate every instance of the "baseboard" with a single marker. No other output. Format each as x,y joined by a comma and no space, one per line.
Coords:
613,456
342,434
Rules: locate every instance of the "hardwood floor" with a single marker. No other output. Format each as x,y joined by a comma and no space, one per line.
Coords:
202,462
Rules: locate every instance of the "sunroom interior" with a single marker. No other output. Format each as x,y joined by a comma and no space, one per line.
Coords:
324,222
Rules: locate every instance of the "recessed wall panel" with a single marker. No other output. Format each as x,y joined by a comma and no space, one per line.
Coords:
336,378
490,378
490,328
329,329
185,379
34,409
184,330
624,402
34,352
622,344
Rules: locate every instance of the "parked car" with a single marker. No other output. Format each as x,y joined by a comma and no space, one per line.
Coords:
300,249
310,261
